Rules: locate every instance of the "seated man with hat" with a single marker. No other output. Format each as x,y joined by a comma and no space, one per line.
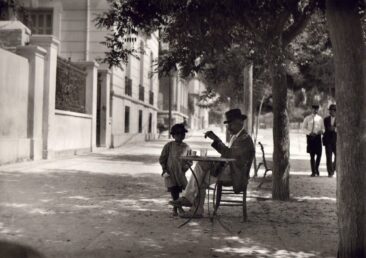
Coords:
240,147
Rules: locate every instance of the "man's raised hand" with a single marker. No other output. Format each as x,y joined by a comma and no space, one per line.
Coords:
211,135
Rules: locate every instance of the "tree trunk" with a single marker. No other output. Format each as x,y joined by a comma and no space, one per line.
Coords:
281,166
349,55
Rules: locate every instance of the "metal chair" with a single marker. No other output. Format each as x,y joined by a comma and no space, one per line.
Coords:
222,189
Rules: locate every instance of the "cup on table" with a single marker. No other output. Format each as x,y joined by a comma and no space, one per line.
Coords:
203,152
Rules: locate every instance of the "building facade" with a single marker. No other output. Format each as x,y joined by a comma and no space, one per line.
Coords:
132,107
184,95
176,89
199,114
74,104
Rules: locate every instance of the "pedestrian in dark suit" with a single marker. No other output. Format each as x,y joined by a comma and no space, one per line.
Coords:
330,139
313,126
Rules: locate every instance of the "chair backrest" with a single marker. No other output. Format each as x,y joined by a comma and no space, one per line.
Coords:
263,155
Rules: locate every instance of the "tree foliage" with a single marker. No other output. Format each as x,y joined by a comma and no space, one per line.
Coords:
202,28
199,30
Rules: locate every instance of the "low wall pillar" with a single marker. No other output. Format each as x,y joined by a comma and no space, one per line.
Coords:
50,44
36,57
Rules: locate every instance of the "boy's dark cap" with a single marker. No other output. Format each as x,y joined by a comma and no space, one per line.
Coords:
233,114
333,107
178,128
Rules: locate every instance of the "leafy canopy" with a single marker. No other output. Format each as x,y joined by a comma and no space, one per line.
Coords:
199,30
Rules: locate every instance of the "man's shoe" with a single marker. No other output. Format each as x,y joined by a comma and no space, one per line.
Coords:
180,210
312,175
190,214
181,202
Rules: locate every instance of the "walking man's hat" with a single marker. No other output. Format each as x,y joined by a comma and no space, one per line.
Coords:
234,114
333,107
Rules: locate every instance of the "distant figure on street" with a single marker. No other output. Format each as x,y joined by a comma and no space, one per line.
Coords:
173,168
240,147
330,139
161,128
314,127
185,122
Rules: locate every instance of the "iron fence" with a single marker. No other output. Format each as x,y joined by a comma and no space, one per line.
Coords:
70,86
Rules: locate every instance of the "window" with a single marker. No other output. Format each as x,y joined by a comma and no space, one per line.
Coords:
150,122
127,119
40,21
142,49
151,92
128,86
140,121
141,93
151,75
151,98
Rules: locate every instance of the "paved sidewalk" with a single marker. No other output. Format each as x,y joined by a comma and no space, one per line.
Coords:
113,204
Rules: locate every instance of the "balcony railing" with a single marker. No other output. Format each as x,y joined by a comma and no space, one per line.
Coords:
128,86
141,93
151,97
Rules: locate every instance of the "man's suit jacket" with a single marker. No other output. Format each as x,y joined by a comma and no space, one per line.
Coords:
330,136
242,149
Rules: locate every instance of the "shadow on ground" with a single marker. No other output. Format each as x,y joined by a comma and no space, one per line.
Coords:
141,158
16,250
74,213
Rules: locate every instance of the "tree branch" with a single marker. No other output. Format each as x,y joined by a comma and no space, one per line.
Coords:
278,26
300,21
252,28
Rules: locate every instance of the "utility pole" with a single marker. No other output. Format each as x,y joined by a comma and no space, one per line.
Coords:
170,103
248,97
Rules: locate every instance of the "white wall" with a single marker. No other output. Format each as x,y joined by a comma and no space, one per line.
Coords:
72,131
14,76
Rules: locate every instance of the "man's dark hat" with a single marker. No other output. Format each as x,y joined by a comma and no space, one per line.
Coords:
316,106
178,128
333,107
234,114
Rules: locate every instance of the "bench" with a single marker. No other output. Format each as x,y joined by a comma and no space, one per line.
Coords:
267,164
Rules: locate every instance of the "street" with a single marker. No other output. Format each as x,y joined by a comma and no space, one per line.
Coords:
113,204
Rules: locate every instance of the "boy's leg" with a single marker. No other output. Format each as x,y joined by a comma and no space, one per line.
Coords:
174,191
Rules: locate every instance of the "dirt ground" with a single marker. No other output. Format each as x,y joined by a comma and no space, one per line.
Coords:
114,204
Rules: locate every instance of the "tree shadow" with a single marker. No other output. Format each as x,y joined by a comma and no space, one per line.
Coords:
109,215
16,250
143,158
